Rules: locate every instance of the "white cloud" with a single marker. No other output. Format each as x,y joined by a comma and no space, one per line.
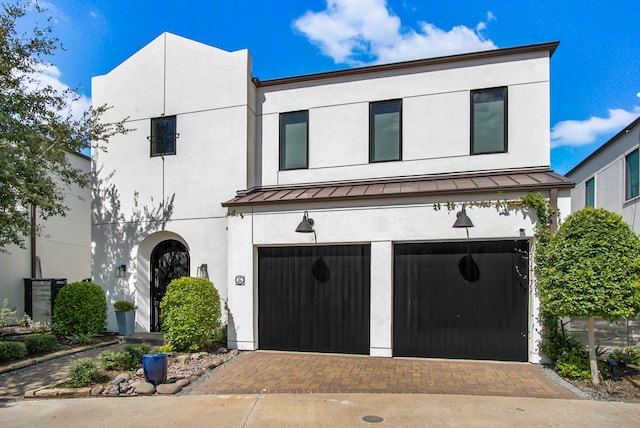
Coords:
50,76
360,32
581,132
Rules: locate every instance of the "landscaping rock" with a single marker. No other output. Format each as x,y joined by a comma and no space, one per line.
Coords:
181,359
222,351
97,390
168,388
140,373
144,388
183,382
197,372
233,353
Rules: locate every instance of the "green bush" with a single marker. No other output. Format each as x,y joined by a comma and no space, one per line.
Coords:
43,342
80,308
626,355
124,306
190,313
115,360
124,360
84,372
83,338
12,351
136,352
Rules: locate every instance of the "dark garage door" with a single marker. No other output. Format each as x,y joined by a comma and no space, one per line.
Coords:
461,300
314,298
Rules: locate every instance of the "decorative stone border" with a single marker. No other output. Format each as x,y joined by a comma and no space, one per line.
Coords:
182,369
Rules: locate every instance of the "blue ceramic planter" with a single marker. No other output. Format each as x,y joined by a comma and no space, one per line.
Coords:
155,368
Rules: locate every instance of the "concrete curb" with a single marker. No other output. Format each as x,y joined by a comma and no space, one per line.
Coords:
36,360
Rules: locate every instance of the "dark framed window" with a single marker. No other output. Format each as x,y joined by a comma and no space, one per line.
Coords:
590,192
632,175
294,140
163,136
385,131
489,121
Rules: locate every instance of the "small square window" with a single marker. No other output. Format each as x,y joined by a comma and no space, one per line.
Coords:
385,131
590,192
163,136
489,121
294,137
632,175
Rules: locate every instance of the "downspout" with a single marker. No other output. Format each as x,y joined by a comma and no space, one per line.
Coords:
33,241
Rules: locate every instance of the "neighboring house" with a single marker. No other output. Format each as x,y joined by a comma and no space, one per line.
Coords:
221,168
610,178
61,252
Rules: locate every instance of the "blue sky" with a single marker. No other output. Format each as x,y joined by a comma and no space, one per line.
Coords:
595,73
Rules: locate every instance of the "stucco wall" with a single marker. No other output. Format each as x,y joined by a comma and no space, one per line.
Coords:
435,126
208,91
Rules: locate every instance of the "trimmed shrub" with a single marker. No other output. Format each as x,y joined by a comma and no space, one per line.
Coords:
37,343
12,351
84,372
80,308
190,313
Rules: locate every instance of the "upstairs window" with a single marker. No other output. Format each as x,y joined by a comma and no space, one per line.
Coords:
163,136
590,192
294,140
385,131
489,121
632,175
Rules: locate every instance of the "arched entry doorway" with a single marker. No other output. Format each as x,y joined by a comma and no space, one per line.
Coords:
169,260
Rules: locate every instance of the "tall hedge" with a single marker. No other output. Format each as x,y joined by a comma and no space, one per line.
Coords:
80,308
190,313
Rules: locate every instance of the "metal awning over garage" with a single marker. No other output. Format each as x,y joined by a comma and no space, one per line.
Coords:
521,180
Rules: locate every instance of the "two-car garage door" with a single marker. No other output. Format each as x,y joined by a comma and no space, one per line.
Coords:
451,300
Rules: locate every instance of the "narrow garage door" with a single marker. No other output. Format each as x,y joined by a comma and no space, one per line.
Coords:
461,300
314,298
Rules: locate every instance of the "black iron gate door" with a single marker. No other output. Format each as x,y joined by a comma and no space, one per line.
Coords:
169,260
314,298
462,300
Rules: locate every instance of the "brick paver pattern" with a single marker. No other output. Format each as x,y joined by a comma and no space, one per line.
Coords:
290,372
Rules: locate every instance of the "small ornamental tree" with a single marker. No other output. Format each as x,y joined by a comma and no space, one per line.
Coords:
592,270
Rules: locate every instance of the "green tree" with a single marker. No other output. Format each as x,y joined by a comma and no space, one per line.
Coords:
37,128
592,269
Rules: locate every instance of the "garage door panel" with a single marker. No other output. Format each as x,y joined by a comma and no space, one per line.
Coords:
314,298
440,312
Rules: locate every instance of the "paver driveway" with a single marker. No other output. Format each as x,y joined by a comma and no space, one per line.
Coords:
287,372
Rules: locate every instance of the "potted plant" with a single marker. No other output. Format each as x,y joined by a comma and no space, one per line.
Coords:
125,316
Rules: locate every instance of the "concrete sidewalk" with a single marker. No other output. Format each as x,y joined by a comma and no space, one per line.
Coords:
319,410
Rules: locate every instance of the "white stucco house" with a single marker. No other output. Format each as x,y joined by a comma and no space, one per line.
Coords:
61,252
223,171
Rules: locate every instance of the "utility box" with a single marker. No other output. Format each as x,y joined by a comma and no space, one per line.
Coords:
40,296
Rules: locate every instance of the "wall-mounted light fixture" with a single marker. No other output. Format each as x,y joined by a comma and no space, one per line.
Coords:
463,220
121,271
202,271
306,226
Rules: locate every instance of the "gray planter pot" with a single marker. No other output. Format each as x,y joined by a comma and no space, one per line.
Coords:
126,322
